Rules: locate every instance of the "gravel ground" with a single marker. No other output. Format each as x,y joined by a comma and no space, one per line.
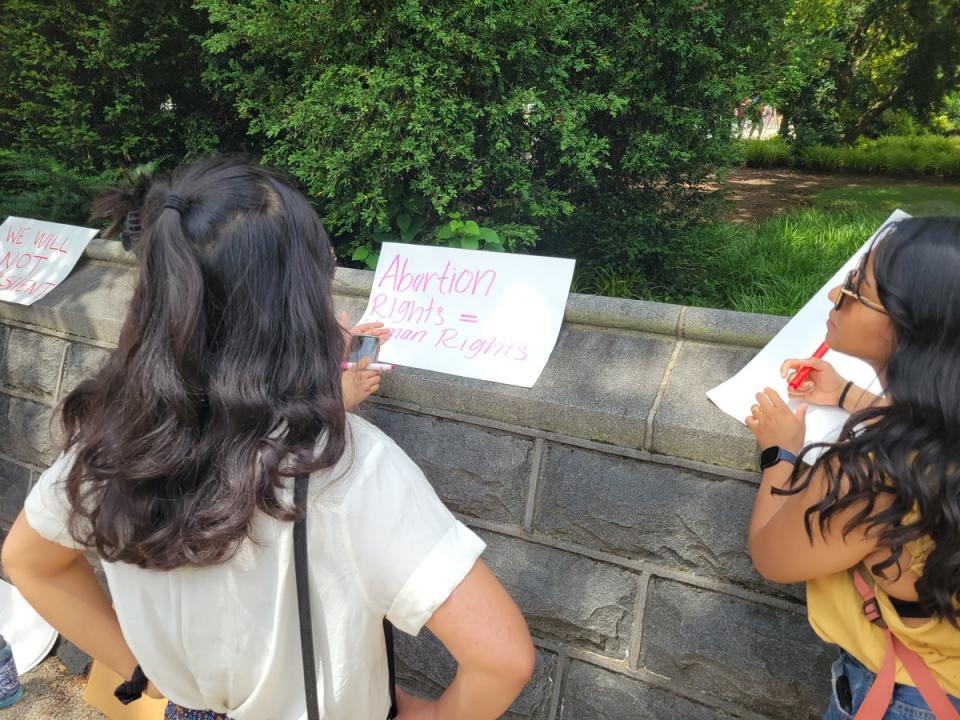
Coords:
51,693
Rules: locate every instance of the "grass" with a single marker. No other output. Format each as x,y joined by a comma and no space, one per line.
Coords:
898,155
772,267
775,266
773,152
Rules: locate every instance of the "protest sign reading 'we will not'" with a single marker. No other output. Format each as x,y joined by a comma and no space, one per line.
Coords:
36,256
483,315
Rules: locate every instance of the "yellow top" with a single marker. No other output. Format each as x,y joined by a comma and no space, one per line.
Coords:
835,610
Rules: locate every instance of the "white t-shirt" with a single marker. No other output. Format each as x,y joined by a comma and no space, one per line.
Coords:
226,638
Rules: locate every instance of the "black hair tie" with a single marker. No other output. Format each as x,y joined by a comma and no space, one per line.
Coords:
175,202
843,394
133,688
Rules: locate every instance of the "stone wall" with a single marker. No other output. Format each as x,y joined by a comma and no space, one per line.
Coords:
613,497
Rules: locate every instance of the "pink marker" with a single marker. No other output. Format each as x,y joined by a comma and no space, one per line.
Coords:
804,372
371,366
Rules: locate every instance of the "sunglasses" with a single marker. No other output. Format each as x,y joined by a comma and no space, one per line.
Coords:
851,288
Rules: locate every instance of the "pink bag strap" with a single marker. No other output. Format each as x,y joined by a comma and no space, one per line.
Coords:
880,695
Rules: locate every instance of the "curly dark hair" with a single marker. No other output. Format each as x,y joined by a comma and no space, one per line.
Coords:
907,451
226,378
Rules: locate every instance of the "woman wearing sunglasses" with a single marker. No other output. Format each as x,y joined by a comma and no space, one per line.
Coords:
871,522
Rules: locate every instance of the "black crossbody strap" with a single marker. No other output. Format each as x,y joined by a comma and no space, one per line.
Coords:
303,599
391,668
306,619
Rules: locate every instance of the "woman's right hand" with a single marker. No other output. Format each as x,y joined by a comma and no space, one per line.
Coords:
358,383
822,386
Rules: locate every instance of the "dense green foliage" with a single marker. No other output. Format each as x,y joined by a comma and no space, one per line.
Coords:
98,85
38,187
585,123
888,155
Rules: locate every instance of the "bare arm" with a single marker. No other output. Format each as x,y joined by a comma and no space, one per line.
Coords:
61,586
483,629
780,547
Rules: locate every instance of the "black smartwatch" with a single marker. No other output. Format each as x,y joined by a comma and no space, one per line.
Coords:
774,454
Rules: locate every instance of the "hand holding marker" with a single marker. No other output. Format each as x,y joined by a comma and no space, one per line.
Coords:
805,371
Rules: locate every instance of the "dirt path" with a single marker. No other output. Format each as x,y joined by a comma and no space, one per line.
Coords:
51,693
760,194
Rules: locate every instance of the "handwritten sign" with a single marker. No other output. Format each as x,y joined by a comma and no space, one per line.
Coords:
36,256
483,315
798,339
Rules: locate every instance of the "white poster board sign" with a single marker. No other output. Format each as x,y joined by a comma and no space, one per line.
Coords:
36,256
798,339
485,315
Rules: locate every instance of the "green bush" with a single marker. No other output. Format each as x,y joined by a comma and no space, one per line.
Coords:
892,155
109,84
773,152
897,122
39,187
888,155
516,114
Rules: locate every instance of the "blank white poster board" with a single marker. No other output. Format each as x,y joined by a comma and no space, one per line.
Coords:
485,315
798,339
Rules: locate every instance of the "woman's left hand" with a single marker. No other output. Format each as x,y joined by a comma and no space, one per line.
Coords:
772,422
372,328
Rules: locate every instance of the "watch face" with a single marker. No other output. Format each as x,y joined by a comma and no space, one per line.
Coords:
770,456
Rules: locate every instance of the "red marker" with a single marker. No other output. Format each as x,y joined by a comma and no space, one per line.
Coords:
805,371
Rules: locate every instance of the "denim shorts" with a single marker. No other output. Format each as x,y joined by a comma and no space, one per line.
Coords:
907,703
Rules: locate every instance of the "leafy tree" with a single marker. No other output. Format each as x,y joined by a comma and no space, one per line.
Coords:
839,65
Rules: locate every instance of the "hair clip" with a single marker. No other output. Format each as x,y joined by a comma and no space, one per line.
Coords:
131,230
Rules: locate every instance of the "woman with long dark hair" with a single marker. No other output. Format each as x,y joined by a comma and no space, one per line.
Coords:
872,523
178,473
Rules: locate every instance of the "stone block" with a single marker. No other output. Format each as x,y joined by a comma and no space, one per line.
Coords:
592,693
26,433
425,666
688,425
645,511
351,281
4,334
731,328
476,472
91,303
352,305
81,362
598,385
608,312
32,362
762,658
14,485
73,658
565,597
109,251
